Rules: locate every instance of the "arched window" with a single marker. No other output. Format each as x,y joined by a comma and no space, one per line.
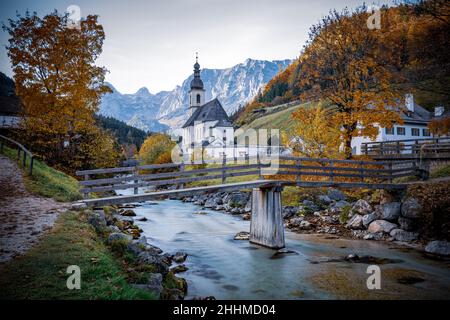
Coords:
198,98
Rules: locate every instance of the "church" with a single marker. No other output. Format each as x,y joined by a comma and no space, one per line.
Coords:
208,126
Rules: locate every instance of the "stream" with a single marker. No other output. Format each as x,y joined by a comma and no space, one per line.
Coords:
225,268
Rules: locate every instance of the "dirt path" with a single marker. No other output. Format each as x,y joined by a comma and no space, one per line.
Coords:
23,216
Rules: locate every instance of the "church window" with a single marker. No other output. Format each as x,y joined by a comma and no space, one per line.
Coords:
198,98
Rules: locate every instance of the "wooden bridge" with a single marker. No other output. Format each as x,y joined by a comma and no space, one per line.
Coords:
265,176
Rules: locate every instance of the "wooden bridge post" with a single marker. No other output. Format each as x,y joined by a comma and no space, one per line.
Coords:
266,227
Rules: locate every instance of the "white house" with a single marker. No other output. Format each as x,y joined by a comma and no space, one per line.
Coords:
415,125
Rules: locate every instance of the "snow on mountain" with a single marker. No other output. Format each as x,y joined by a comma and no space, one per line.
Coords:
233,86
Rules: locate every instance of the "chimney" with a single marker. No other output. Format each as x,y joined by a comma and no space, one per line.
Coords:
409,102
438,111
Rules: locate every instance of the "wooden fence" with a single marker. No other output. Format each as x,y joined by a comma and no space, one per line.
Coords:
22,152
408,146
282,168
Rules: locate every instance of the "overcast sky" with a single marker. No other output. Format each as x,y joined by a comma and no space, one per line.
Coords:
152,43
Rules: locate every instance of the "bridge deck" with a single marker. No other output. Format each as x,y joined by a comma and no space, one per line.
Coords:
235,187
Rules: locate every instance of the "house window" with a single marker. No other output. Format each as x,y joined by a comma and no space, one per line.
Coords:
211,131
426,132
401,131
415,132
198,98
390,130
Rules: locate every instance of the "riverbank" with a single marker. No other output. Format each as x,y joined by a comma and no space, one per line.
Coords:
418,218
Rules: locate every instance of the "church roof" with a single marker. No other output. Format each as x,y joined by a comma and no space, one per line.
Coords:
211,111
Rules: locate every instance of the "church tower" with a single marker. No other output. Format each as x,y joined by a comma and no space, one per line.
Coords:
197,92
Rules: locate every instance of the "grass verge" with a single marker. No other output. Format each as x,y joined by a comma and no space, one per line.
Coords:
41,273
46,181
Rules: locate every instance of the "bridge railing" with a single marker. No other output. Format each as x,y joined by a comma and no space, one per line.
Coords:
407,146
254,168
22,152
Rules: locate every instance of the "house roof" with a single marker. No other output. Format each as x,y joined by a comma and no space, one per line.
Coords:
420,115
211,111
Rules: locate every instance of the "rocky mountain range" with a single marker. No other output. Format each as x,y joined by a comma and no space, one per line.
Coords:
168,109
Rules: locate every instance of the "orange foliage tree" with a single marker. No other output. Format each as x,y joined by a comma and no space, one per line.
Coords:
315,134
347,64
60,87
156,149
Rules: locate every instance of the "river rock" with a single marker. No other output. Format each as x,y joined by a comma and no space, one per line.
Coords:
237,200
335,194
154,284
295,222
289,211
310,205
362,207
340,205
213,202
118,236
179,257
373,236
78,206
128,213
368,218
248,206
179,268
143,219
390,211
406,224
381,226
98,221
246,216
438,247
355,222
243,235
324,199
402,235
305,225
411,208
158,261
172,294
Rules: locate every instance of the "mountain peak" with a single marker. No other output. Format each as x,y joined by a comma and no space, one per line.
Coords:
143,92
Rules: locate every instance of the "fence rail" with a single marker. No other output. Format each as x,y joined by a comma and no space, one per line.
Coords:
408,146
21,152
305,170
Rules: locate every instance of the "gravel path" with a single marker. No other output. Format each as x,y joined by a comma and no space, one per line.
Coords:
23,216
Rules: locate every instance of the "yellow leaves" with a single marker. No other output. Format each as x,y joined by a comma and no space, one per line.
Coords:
156,149
60,87
315,134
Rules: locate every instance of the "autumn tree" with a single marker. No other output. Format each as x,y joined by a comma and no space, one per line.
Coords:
60,87
347,64
315,134
440,127
156,149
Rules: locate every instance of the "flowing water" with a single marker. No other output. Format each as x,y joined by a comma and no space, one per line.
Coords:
225,268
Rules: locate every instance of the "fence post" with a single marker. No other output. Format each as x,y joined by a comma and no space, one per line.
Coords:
135,173
24,162
86,194
390,172
331,170
361,170
224,164
182,169
31,165
298,177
